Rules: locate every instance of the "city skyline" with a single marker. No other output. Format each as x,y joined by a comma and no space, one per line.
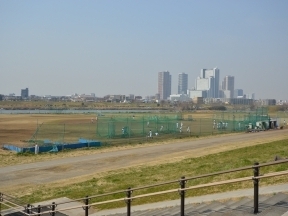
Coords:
109,47
206,83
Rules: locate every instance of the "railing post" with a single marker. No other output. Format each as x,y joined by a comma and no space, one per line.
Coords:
182,194
1,200
256,187
39,210
86,206
128,201
27,208
53,209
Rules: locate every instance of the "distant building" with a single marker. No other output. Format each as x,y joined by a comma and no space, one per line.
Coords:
197,93
267,102
198,100
228,86
251,96
131,96
238,92
179,97
25,93
211,78
116,98
240,101
182,83
164,85
157,96
138,97
226,94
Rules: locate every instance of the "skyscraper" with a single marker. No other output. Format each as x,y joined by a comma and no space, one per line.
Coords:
228,85
182,83
164,84
213,91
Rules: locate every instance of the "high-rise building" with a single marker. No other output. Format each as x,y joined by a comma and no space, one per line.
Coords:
182,83
206,85
25,93
213,91
164,85
228,86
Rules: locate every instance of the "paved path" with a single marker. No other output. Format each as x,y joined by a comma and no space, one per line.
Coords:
60,169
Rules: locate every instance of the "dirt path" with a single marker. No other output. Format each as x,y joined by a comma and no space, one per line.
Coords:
82,167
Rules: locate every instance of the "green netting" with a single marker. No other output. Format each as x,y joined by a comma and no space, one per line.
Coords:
119,128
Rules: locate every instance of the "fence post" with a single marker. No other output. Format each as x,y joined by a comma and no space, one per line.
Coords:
86,208
53,209
39,210
182,194
256,187
1,200
128,201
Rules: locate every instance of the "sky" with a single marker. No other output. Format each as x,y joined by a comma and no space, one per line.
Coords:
106,47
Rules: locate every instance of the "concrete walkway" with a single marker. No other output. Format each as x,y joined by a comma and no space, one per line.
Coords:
206,198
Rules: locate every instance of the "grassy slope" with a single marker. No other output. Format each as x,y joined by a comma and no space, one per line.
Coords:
146,175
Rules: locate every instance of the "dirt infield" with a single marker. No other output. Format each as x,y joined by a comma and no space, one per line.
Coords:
16,128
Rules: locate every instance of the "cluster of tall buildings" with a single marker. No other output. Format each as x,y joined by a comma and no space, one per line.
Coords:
207,85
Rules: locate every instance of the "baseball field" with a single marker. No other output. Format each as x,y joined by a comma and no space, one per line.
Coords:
71,173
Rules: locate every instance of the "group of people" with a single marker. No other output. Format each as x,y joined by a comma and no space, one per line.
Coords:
219,125
178,127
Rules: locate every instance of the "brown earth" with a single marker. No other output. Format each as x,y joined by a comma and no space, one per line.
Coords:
16,128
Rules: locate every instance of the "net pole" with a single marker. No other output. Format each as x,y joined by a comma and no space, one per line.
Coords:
63,133
200,127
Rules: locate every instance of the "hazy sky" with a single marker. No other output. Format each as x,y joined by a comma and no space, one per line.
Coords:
118,47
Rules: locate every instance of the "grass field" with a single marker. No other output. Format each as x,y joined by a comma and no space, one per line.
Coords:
146,175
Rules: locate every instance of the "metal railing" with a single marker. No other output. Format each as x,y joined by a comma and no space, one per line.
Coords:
29,210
